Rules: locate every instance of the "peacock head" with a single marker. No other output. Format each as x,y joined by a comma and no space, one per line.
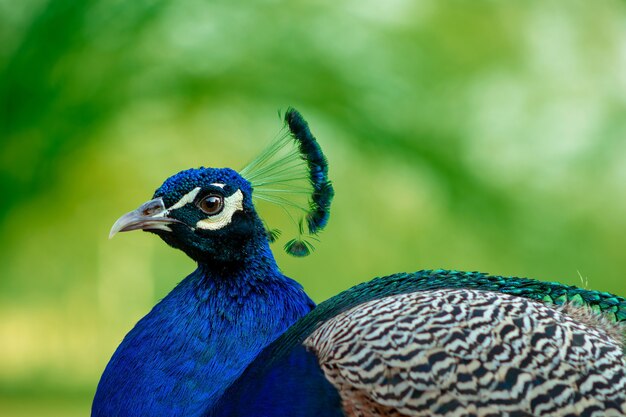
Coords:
206,212
209,213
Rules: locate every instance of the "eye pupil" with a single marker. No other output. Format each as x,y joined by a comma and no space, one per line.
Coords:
212,204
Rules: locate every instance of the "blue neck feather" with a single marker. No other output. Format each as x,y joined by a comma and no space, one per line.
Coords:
180,358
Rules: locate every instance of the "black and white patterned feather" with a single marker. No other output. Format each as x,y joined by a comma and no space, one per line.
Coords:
452,352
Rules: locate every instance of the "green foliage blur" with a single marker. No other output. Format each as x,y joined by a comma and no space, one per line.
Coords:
475,135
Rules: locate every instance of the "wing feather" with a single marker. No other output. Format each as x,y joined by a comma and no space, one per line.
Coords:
455,352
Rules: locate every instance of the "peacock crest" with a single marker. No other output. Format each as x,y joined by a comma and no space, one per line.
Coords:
292,172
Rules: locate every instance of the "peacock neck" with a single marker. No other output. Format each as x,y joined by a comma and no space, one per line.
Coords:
254,265
194,343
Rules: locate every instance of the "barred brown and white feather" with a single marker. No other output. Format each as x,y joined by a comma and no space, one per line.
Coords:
470,353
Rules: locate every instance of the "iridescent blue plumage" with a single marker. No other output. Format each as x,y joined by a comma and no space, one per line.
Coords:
180,358
177,185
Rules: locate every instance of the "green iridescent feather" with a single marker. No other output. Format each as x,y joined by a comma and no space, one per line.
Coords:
611,306
292,172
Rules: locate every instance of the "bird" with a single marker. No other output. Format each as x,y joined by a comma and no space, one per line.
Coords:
237,338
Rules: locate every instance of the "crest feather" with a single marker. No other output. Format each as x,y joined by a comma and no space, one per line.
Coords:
292,172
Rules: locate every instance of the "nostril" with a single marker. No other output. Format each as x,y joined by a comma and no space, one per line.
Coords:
152,207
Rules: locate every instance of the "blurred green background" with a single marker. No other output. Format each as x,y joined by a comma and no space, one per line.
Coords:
477,135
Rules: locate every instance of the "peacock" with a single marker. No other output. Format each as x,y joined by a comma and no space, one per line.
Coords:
238,338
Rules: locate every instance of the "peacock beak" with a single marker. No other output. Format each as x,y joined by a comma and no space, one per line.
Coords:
151,215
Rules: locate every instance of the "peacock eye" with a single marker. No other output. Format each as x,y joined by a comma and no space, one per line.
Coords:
212,204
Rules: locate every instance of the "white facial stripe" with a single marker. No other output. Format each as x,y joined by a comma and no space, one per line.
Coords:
187,198
217,184
231,205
